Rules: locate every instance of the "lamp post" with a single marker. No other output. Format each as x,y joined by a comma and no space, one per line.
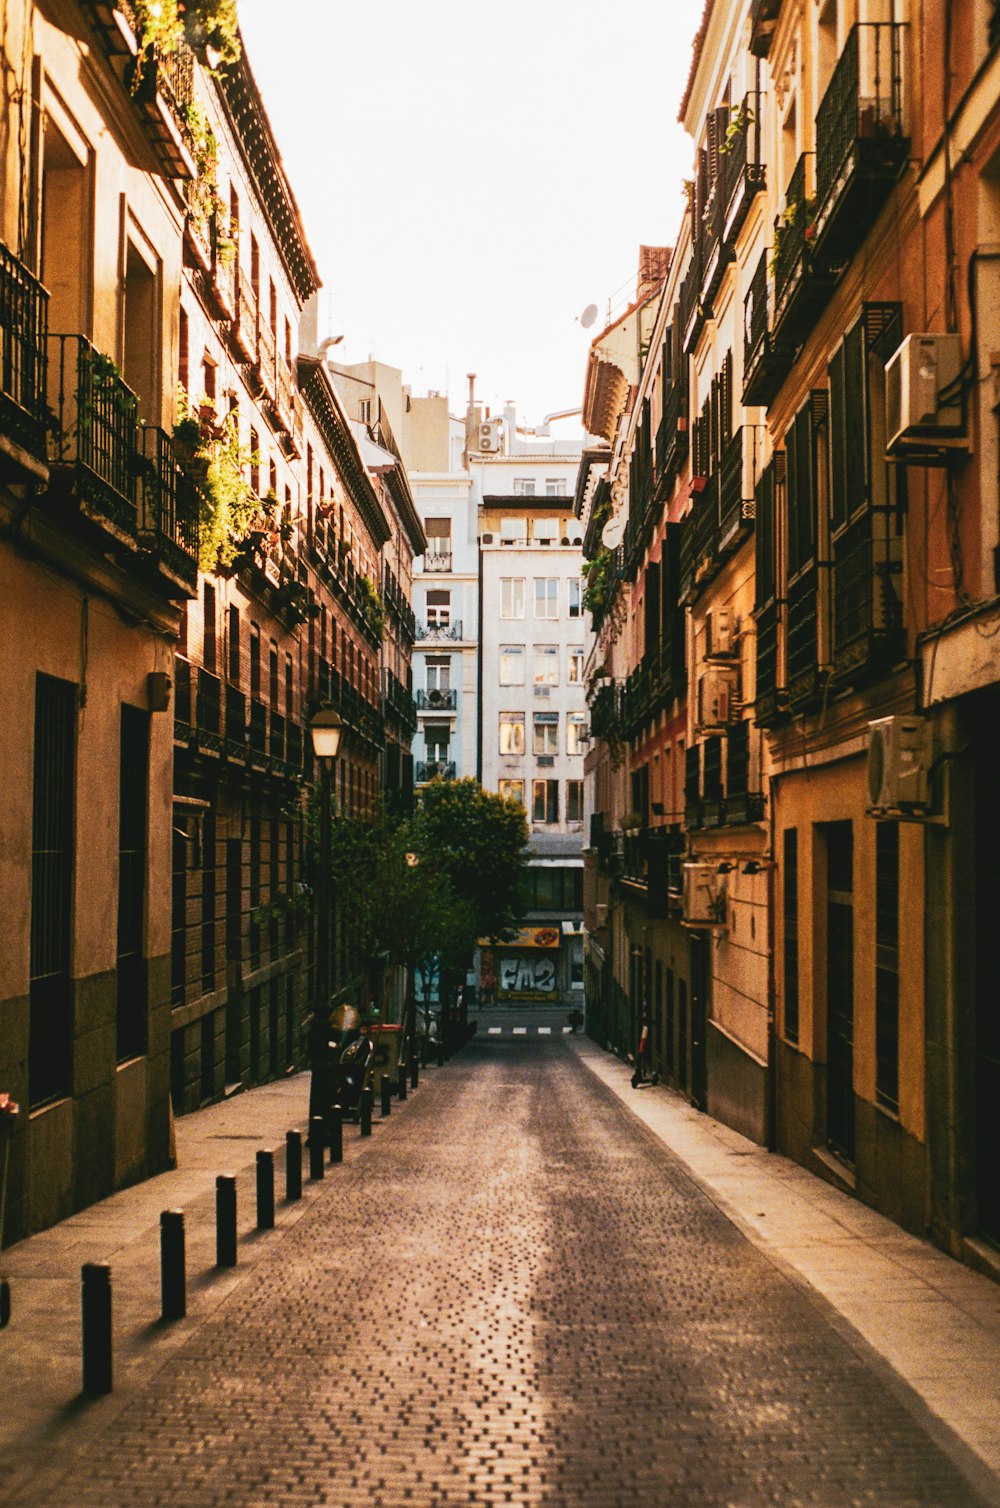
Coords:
325,729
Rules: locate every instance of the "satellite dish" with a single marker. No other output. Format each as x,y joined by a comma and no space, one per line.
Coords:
588,316
613,532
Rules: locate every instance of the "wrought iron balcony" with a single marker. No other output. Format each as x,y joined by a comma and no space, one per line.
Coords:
94,435
284,397
741,174
23,336
861,141
159,84
675,421
743,802
692,786
276,739
804,680
170,507
435,769
182,700
692,311
705,518
736,497
437,699
802,286
293,748
765,363
713,811
437,560
770,704
717,252
267,356
867,607
436,633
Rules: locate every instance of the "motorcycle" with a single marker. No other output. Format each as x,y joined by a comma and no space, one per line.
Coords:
349,1054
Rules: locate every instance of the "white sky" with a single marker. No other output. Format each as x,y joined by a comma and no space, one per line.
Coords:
471,177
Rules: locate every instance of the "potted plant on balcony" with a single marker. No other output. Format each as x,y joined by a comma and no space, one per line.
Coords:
741,117
373,606
232,517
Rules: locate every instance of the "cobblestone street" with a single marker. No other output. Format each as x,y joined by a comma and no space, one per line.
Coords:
512,1294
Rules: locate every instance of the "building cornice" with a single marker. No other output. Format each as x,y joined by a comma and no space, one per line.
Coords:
251,127
321,397
402,497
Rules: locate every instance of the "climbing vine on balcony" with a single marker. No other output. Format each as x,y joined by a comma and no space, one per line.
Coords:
211,27
232,515
374,607
598,573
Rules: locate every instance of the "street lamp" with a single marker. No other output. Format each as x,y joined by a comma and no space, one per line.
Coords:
326,729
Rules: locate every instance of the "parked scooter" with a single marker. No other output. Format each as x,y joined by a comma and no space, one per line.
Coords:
350,1051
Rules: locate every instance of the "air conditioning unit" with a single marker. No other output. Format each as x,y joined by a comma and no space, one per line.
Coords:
704,896
924,367
717,702
899,757
718,633
487,539
436,698
489,437
543,690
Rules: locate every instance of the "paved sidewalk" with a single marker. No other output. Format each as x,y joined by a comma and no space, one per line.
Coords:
935,1322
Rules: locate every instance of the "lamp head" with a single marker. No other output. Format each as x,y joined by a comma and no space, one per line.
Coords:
326,729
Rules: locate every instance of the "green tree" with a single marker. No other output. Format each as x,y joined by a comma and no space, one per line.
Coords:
478,842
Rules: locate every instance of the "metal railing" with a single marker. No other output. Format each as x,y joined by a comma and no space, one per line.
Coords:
437,699
94,429
438,632
266,354
169,508
736,501
23,334
755,328
236,723
864,98
791,230
208,710
434,769
437,560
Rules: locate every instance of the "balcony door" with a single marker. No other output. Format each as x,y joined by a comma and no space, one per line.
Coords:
140,326
65,237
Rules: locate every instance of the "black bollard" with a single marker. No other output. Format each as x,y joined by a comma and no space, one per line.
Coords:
414,1072
440,1053
96,1299
265,1190
173,1293
367,1105
401,1090
316,1147
225,1220
386,1086
293,1165
336,1134
4,1303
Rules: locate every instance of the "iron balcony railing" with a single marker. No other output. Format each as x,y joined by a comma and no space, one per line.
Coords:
736,500
768,699
434,769
864,100
208,712
266,355
437,560
23,335
257,733
169,510
284,394
276,737
438,632
293,747
790,230
246,315
94,431
182,699
437,699
692,312
741,170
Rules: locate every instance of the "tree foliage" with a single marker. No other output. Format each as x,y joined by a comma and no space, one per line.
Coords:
478,842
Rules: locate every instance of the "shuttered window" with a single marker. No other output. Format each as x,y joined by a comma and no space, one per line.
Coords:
50,1040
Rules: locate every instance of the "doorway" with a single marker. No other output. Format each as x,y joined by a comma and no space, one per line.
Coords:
700,974
840,988
987,977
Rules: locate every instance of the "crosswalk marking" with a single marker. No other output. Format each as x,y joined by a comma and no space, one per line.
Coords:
495,1031
524,1031
545,1031
520,1031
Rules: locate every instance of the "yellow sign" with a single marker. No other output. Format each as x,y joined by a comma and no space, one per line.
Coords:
527,937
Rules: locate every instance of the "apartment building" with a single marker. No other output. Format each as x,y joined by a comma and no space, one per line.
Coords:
533,719
197,554
834,562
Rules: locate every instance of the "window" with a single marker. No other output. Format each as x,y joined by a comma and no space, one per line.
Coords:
524,486
437,737
790,911
555,486
255,662
546,664
546,597
512,790
438,672
576,733
887,964
512,664
513,530
512,597
438,531
208,639
575,666
574,801
365,410
545,801
234,645
546,529
130,966
438,609
512,733
50,1031
545,738
575,597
